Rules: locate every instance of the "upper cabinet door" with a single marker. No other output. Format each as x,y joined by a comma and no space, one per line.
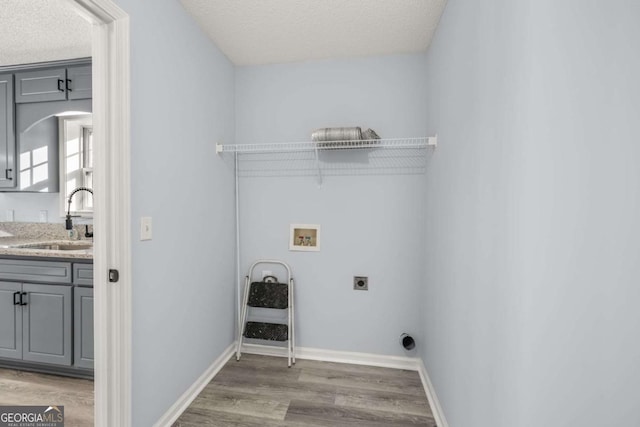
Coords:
7,133
41,85
79,82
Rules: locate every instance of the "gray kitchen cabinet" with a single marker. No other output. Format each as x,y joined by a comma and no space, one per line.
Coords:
79,82
10,320
25,270
53,84
82,274
7,133
46,323
83,327
41,85
41,312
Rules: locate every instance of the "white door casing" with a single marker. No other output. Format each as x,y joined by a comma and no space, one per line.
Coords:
112,244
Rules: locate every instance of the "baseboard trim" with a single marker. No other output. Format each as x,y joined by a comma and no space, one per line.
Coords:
436,409
396,362
183,402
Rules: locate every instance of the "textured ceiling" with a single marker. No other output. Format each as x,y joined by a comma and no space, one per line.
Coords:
41,30
254,32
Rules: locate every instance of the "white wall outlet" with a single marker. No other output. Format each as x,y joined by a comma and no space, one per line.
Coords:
9,215
44,216
146,228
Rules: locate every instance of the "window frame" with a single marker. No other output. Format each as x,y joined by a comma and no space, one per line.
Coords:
86,124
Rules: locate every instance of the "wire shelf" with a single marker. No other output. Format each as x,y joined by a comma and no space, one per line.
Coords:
284,147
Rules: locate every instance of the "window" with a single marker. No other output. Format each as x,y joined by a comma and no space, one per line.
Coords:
76,163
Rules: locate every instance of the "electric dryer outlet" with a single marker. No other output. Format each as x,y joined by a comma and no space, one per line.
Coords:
360,283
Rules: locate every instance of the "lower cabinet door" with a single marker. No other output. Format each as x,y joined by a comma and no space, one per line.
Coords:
10,320
46,320
83,327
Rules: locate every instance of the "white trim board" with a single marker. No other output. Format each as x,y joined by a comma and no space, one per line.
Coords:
183,402
112,194
368,359
436,409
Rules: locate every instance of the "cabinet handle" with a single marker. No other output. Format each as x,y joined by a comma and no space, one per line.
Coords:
22,294
6,174
60,82
15,299
69,85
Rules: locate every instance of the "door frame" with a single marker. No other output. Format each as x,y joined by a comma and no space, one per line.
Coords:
112,215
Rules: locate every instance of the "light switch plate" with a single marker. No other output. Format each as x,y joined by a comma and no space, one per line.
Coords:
146,228
44,216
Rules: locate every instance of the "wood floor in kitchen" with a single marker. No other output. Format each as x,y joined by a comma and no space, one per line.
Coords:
262,391
27,388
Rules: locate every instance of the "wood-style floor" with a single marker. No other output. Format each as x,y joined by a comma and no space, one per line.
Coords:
262,391
27,388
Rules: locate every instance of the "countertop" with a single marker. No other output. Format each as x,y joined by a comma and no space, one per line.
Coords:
8,247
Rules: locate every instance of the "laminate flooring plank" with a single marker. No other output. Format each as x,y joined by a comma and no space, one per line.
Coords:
332,416
47,379
367,382
275,388
263,391
248,369
256,360
355,369
202,417
383,401
262,405
28,388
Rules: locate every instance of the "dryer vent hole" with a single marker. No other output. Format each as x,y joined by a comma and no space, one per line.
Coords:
407,341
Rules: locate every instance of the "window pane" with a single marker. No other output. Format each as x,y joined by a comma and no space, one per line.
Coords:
88,147
88,182
73,164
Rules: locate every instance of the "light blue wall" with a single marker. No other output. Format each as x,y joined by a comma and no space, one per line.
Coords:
371,222
580,228
530,309
182,100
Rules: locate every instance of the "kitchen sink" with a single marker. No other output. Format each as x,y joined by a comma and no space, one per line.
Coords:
58,246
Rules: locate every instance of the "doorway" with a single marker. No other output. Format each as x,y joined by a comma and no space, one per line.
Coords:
112,260
112,264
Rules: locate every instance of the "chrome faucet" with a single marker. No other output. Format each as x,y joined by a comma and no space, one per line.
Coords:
68,222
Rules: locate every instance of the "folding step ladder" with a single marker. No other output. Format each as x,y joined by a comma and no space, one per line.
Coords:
270,294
